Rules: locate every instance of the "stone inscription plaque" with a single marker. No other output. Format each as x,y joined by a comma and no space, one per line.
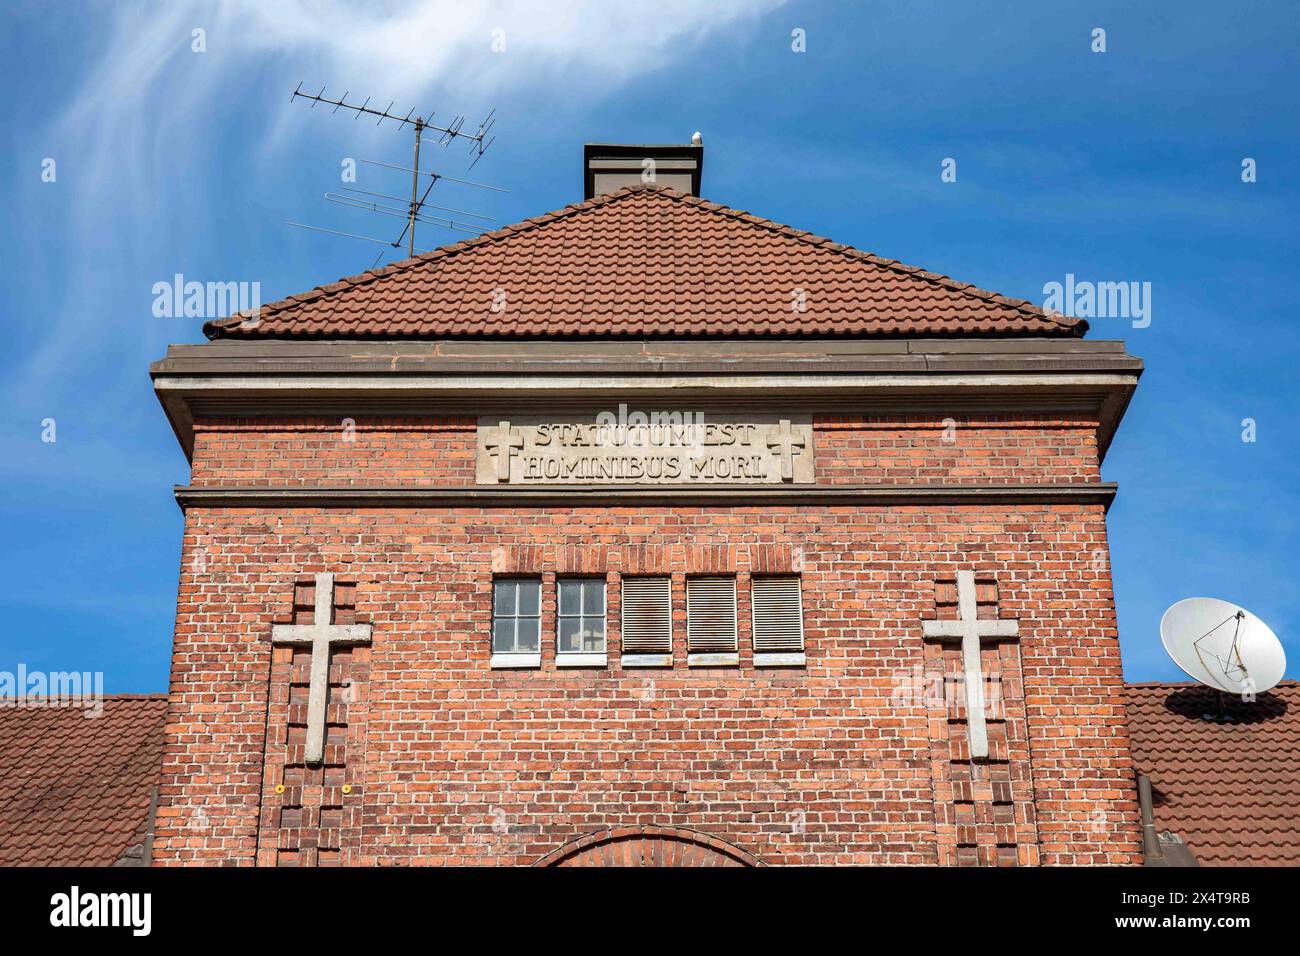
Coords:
645,448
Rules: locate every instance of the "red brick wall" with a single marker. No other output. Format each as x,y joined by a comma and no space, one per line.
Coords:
988,450
334,451
432,451
841,762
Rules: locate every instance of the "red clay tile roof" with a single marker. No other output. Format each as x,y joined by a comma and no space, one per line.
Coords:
75,790
646,261
1231,789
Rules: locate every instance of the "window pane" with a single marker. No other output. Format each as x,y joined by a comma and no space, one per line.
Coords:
503,598
570,597
530,597
567,637
593,635
528,642
593,598
503,636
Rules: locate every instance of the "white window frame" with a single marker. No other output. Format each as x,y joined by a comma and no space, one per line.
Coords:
515,658
582,658
713,657
790,657
658,658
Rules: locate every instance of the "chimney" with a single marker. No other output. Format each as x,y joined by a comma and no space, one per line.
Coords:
611,166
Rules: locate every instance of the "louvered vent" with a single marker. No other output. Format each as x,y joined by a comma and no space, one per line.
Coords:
647,616
711,615
778,615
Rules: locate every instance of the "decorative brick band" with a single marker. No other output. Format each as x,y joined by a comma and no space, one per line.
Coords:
648,559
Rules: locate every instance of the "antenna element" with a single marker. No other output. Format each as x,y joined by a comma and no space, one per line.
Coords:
478,141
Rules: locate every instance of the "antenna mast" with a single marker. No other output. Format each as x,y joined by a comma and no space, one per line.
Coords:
415,185
478,141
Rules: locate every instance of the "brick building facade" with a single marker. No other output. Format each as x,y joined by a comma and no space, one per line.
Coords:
534,643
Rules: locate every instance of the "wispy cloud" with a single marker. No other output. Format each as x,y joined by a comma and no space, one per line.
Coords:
136,139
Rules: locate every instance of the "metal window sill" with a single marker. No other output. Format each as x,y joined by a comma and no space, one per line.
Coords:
516,661
582,660
712,660
780,660
646,660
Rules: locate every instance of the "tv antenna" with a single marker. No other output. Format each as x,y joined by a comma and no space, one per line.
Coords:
412,210
1223,646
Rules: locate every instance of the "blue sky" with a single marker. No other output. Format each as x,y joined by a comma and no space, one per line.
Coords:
1123,165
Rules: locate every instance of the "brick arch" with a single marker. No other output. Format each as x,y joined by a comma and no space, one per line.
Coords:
648,846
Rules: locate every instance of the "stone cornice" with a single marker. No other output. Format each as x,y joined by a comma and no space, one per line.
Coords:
267,379
260,357
319,496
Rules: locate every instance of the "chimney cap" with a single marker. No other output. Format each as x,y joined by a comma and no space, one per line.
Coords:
621,164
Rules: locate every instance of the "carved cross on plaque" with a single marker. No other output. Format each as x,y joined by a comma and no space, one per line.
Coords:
783,444
504,445
321,636
971,632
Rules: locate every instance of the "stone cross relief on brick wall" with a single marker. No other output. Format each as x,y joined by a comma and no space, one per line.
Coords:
322,636
971,632
783,445
503,446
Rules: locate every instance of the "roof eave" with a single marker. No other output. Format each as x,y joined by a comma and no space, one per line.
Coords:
271,378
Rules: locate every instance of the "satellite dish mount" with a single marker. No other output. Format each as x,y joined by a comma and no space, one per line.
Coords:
1224,647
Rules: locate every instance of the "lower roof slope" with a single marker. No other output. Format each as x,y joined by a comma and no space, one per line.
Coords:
645,261
76,790
1230,788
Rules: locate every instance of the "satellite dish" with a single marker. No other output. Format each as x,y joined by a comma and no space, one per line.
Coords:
1222,645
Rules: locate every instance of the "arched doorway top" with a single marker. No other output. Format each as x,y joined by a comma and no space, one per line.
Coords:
648,846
